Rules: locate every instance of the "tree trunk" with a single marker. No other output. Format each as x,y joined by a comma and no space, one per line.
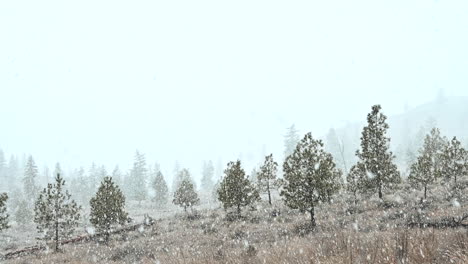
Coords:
185,208
56,236
380,191
425,192
269,195
238,210
312,217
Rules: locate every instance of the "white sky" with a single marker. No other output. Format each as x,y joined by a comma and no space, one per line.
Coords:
84,81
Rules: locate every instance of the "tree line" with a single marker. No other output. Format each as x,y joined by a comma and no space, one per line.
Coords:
310,177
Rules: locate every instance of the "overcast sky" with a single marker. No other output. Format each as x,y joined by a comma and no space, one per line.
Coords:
84,81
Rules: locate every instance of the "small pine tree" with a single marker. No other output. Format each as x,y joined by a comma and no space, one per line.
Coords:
354,180
235,189
433,147
267,175
185,195
375,156
56,214
3,214
310,176
422,172
454,161
107,208
161,191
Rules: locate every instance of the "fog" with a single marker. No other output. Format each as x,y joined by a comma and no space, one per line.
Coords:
190,81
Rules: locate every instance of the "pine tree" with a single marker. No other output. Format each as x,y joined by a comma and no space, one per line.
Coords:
161,191
354,179
422,171
454,161
375,156
56,214
138,176
29,181
267,175
107,208
433,146
3,214
290,140
310,176
185,195
183,174
235,189
207,176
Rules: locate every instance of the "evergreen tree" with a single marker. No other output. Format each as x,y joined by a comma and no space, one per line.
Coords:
454,161
375,156
235,189
290,140
3,214
422,171
56,214
433,147
354,179
138,176
23,213
183,174
161,191
310,176
185,194
107,208
207,176
29,181
267,175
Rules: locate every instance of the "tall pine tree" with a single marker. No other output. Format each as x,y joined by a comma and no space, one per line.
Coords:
454,161
422,171
108,208
235,189
310,176
267,175
56,214
375,156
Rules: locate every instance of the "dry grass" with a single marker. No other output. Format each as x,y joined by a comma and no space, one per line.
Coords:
374,233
